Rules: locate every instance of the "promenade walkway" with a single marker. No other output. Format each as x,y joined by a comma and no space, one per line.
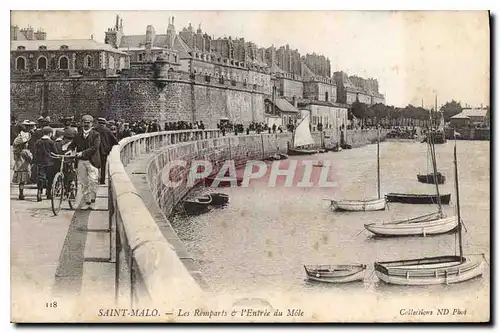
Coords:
58,257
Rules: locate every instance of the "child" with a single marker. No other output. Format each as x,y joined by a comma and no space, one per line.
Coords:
43,159
22,158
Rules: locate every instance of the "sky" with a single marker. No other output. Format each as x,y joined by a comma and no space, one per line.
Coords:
414,55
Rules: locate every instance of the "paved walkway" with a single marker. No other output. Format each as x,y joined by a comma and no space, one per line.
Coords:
64,258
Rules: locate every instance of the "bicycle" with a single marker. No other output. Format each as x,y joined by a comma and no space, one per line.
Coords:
61,190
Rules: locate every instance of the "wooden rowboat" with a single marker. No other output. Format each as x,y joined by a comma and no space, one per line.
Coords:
198,205
335,273
219,199
428,271
431,224
358,205
430,179
298,152
418,198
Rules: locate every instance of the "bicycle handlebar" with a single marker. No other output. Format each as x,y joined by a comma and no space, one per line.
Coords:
62,156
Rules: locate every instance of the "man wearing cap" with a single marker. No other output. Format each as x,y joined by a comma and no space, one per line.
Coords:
108,140
87,143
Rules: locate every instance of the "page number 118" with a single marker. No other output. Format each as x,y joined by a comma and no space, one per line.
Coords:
51,304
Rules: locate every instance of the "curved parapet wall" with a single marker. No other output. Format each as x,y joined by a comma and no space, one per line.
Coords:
148,269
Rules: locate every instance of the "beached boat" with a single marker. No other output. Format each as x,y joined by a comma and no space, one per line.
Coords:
431,224
358,205
433,270
429,271
219,199
431,179
335,273
198,205
418,198
363,205
302,137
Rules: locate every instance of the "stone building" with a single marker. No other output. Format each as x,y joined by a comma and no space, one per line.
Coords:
354,88
71,55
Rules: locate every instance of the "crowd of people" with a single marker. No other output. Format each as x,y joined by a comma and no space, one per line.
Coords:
34,145
255,127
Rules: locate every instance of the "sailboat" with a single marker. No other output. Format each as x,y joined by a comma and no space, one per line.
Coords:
429,224
433,270
363,205
302,137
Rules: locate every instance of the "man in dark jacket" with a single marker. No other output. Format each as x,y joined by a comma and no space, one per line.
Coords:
108,140
44,147
87,143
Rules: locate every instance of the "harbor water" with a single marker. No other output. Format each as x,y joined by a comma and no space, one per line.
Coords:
262,239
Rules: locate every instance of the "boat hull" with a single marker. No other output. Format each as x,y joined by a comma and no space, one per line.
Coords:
418,198
429,271
298,152
219,199
424,228
358,205
430,179
337,273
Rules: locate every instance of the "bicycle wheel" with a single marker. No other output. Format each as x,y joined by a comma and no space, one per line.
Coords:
57,192
72,194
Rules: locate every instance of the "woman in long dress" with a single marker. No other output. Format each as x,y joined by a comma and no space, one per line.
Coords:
22,159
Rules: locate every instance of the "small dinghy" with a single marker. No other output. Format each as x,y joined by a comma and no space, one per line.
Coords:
198,205
346,146
336,149
335,273
429,271
318,164
409,198
283,156
358,205
430,224
430,179
219,199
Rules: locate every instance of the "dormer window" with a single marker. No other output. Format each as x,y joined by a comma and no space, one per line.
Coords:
64,47
42,47
20,47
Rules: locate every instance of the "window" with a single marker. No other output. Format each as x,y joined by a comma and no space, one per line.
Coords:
21,63
63,62
175,57
111,63
20,47
42,47
326,96
87,61
41,63
141,57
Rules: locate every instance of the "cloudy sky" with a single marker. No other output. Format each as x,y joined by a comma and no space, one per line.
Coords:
412,54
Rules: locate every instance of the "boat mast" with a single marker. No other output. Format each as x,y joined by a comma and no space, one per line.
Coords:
434,164
458,199
378,160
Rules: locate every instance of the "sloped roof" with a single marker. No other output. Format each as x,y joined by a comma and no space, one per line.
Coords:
53,45
284,105
473,112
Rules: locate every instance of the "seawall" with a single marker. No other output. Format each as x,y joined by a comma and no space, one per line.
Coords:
140,203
